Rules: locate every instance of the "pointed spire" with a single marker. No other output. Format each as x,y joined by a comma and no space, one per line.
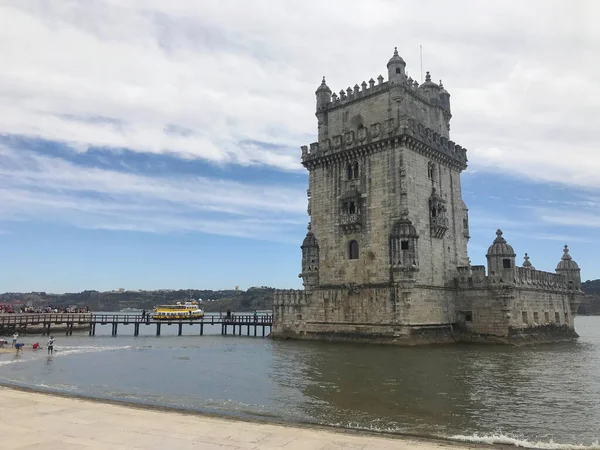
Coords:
566,256
441,84
499,239
396,59
323,86
427,76
526,263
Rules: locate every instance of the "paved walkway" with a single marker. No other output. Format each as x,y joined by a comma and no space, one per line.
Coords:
39,421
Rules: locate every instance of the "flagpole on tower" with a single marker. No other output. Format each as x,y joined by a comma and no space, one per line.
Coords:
421,51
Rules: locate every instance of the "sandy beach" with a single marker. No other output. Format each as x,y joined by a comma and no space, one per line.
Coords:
33,420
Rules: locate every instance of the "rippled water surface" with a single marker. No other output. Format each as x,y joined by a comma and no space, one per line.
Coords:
546,396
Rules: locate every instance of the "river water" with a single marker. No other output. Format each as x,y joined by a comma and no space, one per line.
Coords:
545,396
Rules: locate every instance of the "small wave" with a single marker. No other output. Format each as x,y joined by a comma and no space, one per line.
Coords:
517,442
77,350
13,361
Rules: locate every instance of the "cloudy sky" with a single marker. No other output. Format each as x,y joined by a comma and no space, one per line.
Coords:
155,144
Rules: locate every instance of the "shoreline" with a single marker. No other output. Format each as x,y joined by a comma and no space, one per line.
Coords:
319,435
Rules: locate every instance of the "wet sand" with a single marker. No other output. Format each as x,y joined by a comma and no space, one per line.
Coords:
34,420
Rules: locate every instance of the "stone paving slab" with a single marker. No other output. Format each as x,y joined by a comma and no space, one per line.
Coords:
40,421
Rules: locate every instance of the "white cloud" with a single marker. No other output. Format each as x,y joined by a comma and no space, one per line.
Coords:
125,74
46,189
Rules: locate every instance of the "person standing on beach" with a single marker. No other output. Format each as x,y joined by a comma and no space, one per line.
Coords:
50,345
15,337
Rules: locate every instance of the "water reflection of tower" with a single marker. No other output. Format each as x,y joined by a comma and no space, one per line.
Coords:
405,389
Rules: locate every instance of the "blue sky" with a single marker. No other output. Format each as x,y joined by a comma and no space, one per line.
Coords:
148,145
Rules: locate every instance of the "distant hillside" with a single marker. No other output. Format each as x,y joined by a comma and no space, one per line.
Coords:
236,300
254,298
591,302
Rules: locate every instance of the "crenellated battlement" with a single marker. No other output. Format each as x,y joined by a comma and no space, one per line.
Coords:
357,93
364,90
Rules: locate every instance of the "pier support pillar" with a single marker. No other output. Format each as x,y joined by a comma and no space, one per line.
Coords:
201,328
158,329
263,327
180,330
240,329
136,329
255,327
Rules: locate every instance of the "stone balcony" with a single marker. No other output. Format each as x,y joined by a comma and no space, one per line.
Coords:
439,226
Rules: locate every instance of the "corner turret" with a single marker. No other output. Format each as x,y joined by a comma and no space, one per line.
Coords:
396,68
501,260
310,260
444,98
323,94
569,269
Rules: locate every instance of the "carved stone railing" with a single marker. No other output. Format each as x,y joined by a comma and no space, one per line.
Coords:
284,297
540,280
351,223
439,226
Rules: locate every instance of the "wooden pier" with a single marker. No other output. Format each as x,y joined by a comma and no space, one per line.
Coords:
241,325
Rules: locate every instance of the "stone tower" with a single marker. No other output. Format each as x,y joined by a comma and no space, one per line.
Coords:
386,249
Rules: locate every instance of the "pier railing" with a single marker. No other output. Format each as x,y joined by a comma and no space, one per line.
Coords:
46,320
87,318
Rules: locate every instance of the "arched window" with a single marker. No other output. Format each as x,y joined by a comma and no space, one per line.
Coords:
352,171
352,250
352,208
431,171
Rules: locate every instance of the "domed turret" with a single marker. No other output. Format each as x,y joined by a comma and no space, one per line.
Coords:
323,94
444,97
569,268
500,247
396,67
501,260
430,89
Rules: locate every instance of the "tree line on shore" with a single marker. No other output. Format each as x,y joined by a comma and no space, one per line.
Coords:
591,302
254,298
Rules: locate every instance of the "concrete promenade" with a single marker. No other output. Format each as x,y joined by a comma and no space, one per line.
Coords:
39,421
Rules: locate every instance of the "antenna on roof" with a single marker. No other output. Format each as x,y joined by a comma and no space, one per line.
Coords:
421,50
